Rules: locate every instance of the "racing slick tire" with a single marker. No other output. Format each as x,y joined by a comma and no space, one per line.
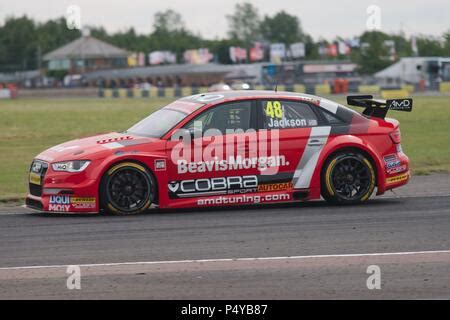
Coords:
348,177
127,188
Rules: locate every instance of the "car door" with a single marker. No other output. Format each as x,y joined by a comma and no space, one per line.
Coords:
297,137
218,162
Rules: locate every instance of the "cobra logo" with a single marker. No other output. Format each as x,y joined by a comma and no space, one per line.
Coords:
213,184
173,186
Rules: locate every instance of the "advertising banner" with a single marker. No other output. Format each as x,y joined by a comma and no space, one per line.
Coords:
198,56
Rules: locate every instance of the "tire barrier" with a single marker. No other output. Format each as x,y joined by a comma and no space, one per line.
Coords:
8,93
369,89
444,87
321,89
395,94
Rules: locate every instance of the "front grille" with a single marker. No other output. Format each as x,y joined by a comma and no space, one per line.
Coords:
36,190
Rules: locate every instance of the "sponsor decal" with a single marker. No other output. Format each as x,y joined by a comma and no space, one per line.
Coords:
397,169
275,187
119,143
391,162
59,200
59,207
83,203
274,110
114,139
198,146
233,163
400,104
59,203
244,199
212,186
160,164
399,178
285,123
65,203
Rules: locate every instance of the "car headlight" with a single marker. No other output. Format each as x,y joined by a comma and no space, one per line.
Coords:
71,166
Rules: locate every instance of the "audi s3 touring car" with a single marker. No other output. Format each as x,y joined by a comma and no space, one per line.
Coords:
228,148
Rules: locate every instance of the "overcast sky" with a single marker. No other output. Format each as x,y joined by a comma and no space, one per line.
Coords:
319,18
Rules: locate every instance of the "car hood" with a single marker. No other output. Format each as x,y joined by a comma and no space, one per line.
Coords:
96,146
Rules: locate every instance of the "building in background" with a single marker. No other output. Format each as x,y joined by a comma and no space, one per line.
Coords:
430,71
86,54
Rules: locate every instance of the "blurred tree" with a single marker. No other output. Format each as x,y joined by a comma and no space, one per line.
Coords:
18,44
402,45
23,42
170,34
99,33
373,55
168,20
245,24
283,28
54,33
433,47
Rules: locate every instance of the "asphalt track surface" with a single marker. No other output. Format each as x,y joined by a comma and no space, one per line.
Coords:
302,251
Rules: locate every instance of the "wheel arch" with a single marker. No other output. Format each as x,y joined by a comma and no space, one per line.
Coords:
362,148
115,162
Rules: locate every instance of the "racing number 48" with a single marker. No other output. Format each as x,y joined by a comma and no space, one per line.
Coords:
274,110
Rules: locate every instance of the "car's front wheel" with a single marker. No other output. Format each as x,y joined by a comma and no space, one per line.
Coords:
127,188
348,178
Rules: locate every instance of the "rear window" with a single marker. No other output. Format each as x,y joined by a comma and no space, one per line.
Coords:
331,119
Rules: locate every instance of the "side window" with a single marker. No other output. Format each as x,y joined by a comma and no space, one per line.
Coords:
287,115
226,116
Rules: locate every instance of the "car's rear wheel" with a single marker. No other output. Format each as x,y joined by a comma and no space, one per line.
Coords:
127,188
348,178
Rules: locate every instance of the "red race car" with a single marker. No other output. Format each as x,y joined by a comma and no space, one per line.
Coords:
228,148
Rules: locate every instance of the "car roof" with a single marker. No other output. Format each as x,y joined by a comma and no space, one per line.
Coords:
221,96
214,98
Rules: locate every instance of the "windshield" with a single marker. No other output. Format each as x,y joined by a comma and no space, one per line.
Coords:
158,123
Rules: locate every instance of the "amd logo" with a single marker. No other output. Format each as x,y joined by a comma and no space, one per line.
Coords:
400,104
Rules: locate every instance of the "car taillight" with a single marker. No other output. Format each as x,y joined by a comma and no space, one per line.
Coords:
395,136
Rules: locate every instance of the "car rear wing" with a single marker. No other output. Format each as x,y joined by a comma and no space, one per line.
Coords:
379,108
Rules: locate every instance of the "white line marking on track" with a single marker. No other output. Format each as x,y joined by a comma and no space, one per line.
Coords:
233,259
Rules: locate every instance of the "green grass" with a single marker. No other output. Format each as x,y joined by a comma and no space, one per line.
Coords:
28,126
